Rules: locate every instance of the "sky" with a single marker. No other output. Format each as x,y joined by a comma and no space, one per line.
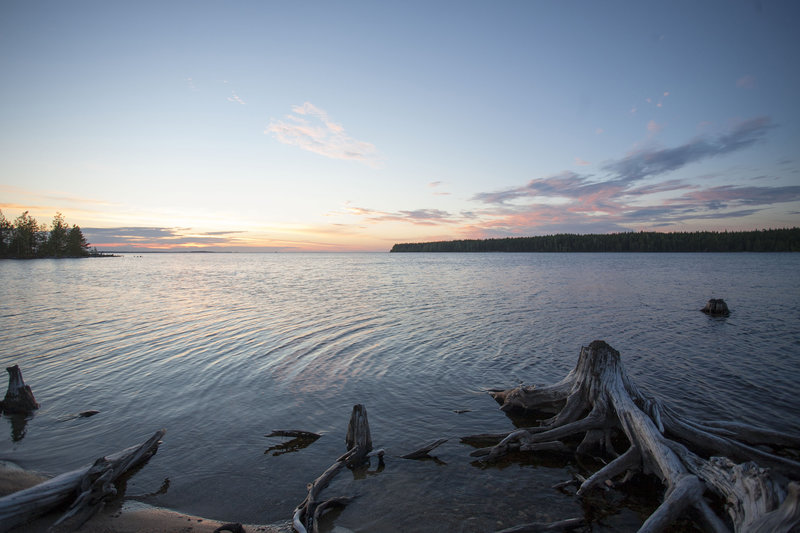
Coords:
351,126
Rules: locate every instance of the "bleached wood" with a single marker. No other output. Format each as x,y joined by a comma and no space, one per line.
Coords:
20,507
598,398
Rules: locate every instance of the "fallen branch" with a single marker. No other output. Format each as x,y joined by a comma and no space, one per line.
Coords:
599,403
91,484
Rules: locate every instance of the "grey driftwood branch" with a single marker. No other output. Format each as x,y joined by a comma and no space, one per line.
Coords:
85,488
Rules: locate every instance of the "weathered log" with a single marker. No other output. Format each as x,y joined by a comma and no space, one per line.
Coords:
19,396
296,433
359,450
301,439
597,398
85,487
716,307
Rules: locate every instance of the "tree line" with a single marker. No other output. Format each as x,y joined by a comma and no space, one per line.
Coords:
768,240
25,238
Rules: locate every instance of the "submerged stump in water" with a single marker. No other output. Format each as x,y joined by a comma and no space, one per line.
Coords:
19,397
716,307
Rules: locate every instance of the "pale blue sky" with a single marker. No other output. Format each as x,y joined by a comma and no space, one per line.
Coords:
354,125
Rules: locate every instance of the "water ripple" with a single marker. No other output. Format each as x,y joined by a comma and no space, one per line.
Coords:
220,349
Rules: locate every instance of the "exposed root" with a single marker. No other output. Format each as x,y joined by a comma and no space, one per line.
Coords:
680,452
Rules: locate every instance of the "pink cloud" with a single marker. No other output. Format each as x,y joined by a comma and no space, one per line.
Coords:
310,129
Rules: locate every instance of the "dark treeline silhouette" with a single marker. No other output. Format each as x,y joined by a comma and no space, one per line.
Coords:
25,238
768,240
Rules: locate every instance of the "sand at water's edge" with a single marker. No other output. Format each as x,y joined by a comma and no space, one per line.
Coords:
133,517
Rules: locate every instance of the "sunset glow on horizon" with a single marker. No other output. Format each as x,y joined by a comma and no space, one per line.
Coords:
262,126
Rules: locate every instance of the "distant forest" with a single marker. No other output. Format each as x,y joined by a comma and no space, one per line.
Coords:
25,238
768,240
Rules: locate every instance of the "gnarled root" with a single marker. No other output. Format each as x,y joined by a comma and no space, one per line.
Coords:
597,398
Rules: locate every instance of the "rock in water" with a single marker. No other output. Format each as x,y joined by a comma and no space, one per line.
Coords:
716,307
19,397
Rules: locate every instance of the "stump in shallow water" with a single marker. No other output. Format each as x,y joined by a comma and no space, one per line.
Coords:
19,396
716,307
359,450
599,403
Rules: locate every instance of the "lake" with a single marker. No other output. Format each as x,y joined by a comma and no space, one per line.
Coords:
220,349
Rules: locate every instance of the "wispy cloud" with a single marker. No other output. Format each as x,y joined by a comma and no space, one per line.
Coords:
628,191
652,162
653,127
437,186
156,237
310,128
235,98
422,217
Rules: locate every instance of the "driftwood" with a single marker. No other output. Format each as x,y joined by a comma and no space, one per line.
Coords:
359,450
716,307
423,452
19,396
85,487
300,439
599,406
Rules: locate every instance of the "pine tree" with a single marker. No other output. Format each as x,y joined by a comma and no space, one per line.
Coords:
76,243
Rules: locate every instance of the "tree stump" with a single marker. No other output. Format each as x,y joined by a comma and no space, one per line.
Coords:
359,449
19,396
716,307
599,403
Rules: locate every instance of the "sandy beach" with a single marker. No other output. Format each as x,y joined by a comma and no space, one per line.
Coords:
128,516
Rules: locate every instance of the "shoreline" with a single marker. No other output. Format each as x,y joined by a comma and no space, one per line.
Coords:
120,515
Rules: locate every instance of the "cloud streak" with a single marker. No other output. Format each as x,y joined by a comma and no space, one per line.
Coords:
310,128
628,192
421,217
156,237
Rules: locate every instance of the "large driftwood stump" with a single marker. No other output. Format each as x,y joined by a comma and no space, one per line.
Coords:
19,396
599,403
85,487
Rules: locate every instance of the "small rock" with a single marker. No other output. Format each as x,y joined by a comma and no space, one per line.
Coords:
716,307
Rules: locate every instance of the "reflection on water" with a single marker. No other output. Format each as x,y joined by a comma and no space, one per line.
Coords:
19,424
222,348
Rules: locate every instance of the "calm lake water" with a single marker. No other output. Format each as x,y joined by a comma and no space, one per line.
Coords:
220,349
